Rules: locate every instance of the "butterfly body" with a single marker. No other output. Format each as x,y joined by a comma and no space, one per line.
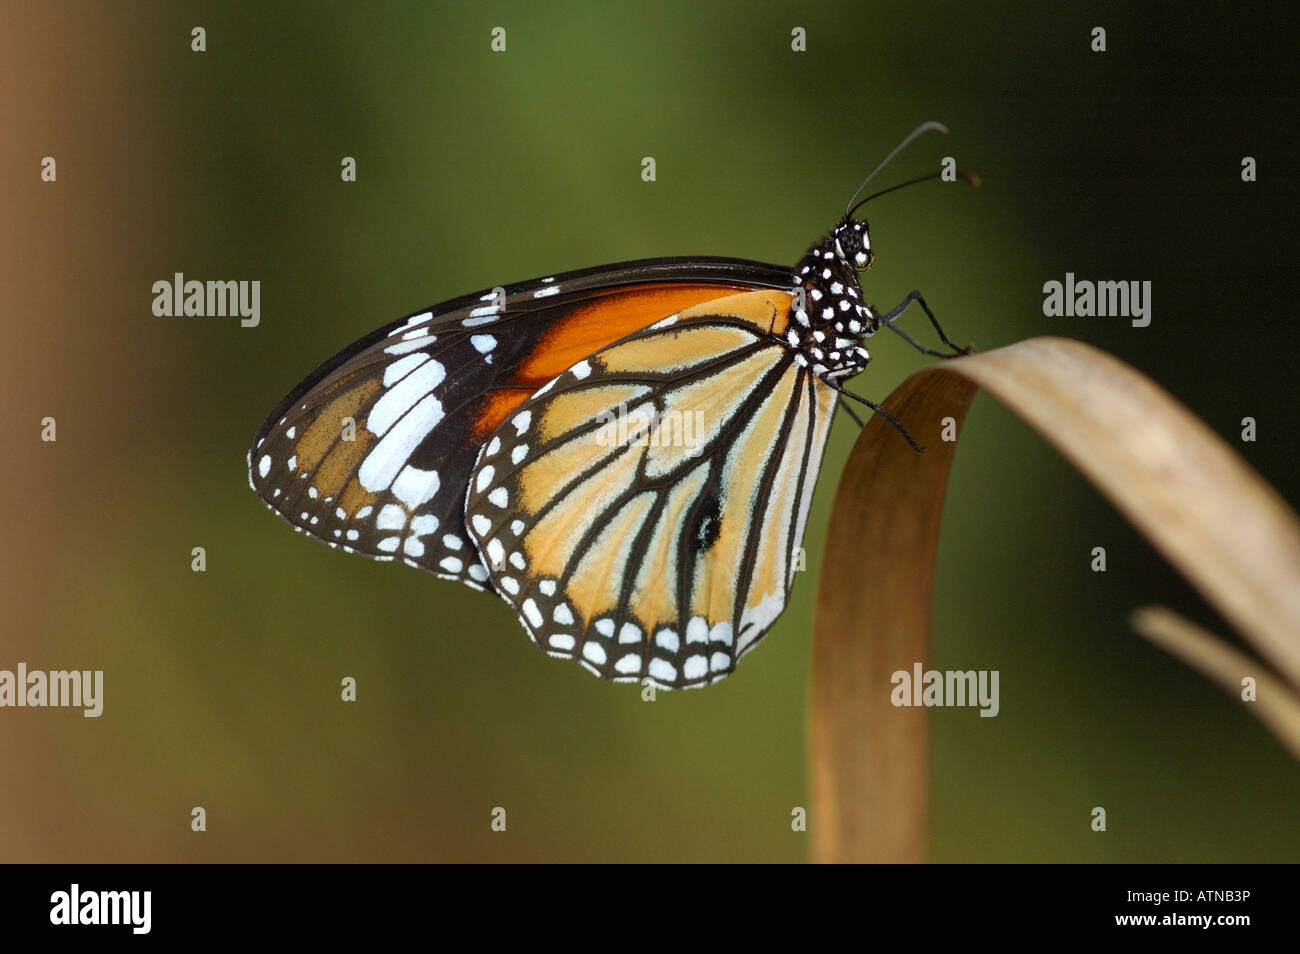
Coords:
830,320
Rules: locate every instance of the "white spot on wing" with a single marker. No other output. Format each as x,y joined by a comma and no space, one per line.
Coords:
414,486
413,320
388,457
391,517
402,347
404,395
402,367
531,611
663,670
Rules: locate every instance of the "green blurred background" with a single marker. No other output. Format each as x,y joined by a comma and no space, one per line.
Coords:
477,168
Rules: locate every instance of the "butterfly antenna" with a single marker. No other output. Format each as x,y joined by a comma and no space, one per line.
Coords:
961,174
919,130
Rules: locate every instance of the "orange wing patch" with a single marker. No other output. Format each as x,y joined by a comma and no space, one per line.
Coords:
594,326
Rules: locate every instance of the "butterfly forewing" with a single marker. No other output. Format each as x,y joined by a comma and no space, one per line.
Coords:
641,511
372,452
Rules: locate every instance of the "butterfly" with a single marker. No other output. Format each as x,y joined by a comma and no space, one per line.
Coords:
625,454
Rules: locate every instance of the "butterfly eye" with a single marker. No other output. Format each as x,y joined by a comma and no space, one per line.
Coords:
854,247
848,244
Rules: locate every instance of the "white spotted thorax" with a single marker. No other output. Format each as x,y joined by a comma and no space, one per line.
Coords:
828,330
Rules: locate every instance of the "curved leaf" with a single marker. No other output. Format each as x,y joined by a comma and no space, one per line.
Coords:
1216,520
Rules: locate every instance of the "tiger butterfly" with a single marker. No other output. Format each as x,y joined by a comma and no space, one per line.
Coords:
536,441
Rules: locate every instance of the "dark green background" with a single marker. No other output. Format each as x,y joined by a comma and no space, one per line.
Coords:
477,169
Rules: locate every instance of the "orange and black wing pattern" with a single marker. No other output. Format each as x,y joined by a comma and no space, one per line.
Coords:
642,511
372,452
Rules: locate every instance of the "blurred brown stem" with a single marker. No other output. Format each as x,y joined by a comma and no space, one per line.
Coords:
871,771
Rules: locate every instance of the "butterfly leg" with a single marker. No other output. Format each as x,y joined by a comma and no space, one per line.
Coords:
848,409
888,321
877,409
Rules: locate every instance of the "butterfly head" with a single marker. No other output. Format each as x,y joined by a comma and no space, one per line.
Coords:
851,240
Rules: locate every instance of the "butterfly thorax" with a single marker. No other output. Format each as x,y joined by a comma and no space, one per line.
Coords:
828,319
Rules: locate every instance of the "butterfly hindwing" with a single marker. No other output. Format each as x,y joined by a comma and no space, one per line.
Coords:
641,512
372,452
